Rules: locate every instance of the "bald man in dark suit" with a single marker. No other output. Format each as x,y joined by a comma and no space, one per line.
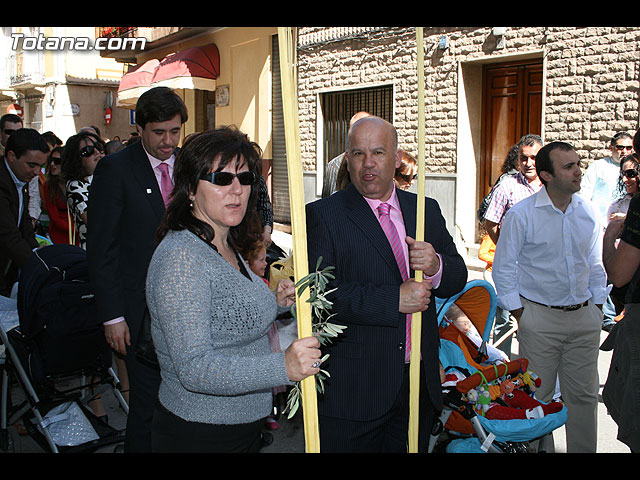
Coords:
365,407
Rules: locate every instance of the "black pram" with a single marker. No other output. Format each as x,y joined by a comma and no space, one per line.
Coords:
58,337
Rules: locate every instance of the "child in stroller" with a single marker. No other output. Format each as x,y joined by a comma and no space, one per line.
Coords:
490,403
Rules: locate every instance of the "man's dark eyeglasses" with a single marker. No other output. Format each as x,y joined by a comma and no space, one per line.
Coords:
624,147
89,150
630,173
226,178
8,131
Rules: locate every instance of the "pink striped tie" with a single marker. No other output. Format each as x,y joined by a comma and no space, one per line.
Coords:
396,245
166,185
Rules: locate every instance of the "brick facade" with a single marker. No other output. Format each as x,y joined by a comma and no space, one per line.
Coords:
590,91
591,88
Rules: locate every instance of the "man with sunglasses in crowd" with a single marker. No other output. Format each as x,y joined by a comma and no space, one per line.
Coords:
9,123
599,185
129,195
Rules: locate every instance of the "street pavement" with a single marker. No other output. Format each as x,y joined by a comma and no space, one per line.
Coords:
289,437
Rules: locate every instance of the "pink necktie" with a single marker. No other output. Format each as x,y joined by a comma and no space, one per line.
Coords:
166,185
396,245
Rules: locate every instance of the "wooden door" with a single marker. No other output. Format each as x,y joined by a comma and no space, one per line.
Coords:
512,107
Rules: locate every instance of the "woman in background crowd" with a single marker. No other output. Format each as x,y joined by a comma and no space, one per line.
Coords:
82,153
54,201
627,186
621,258
407,172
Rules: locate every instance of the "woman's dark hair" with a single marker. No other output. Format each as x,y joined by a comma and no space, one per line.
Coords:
53,188
408,162
195,158
72,168
621,190
511,161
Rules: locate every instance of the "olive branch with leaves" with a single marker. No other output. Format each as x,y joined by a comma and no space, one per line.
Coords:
321,328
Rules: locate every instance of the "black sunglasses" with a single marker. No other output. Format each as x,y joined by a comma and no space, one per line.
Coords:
624,147
56,160
226,178
408,178
89,150
630,173
8,131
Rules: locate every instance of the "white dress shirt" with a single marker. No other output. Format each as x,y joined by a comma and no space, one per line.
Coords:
19,187
548,256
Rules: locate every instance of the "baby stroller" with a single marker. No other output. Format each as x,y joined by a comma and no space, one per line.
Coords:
488,399
57,355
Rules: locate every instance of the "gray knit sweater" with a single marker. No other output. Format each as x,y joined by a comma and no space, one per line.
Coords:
209,325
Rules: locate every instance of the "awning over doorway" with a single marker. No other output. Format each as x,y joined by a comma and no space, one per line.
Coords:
135,82
193,68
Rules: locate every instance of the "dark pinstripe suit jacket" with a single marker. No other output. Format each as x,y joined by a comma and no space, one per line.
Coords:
367,361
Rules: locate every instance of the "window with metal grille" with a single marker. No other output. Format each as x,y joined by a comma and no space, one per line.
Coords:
339,107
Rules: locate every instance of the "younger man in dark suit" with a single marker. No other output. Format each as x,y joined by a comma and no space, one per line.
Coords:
127,201
365,407
25,154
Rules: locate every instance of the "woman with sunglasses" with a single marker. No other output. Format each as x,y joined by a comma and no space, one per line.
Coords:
209,313
406,173
54,200
627,187
82,153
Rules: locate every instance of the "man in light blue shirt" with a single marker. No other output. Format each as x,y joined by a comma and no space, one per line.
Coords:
548,272
599,185
601,178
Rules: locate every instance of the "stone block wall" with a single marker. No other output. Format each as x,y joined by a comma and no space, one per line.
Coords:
591,90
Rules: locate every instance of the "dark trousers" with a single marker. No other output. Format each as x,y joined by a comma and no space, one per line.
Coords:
387,434
172,434
144,383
